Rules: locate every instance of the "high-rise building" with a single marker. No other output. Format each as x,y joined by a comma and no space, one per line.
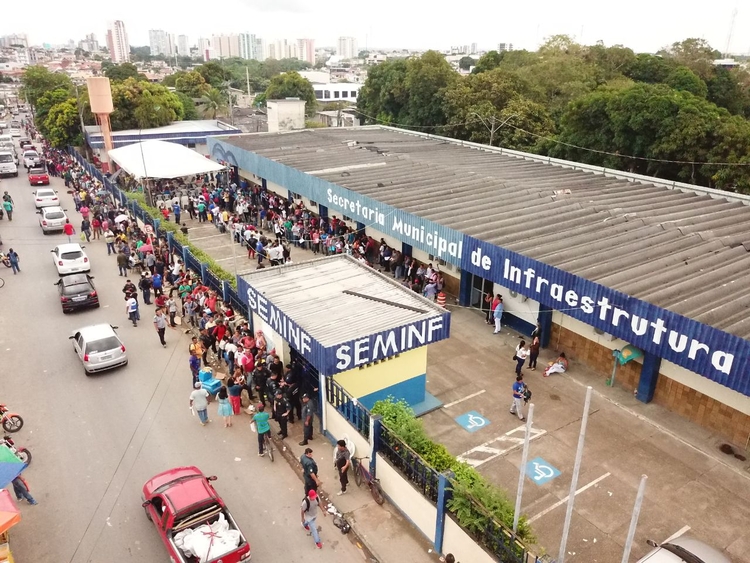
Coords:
160,42
117,42
183,46
306,50
347,48
204,46
225,46
474,49
251,47
15,40
90,44
504,47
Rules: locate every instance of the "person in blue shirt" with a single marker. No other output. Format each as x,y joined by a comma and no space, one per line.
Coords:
498,316
260,419
156,283
259,250
518,389
177,211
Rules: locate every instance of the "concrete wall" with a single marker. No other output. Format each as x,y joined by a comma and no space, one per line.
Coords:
460,544
273,339
338,427
285,115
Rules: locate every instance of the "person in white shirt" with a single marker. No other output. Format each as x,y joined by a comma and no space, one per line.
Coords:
520,356
131,308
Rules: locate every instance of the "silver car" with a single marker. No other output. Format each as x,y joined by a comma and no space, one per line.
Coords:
99,348
683,549
52,219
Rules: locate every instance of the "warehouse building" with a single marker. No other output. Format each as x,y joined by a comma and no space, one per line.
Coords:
601,259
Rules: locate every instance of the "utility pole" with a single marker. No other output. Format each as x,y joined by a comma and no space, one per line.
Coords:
493,128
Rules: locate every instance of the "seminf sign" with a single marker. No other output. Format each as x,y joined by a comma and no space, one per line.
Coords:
348,354
719,356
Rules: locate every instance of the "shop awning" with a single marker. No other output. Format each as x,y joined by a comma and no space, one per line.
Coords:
10,466
9,513
162,159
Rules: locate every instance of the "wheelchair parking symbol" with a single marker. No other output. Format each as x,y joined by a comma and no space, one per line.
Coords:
472,421
540,471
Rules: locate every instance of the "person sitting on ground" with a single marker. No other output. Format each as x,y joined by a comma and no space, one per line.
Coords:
560,365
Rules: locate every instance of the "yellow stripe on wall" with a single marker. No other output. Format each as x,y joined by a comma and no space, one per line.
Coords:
361,382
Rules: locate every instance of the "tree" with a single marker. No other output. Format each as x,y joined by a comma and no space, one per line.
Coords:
466,63
37,80
426,79
383,97
214,73
171,79
686,80
696,54
650,69
212,104
192,84
48,101
134,110
118,73
190,111
292,85
140,54
488,61
725,90
62,124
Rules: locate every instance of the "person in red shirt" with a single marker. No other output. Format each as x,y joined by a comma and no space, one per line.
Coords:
68,229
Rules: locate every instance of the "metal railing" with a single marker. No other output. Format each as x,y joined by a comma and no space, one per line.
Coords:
213,282
357,415
409,463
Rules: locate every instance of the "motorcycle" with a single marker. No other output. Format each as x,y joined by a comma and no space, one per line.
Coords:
11,421
21,453
4,259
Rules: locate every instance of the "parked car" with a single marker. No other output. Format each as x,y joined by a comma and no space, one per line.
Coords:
23,142
52,219
7,164
180,501
70,258
77,291
683,549
99,348
15,132
31,158
38,176
46,197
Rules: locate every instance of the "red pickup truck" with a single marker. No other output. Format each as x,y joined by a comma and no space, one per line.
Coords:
192,519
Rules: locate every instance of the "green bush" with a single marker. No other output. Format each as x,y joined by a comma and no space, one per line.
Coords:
471,491
174,228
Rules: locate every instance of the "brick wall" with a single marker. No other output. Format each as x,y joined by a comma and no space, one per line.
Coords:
674,396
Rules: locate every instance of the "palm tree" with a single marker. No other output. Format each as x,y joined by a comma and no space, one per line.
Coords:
212,104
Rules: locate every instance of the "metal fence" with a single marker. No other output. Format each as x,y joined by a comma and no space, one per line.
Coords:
356,414
213,282
192,262
409,463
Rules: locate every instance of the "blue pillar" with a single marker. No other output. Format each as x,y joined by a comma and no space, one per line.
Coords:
323,211
405,249
376,425
204,273
444,495
360,227
225,291
263,183
464,290
185,257
156,227
649,377
545,323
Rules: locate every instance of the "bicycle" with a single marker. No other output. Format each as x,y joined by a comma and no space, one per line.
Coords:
268,445
361,474
2,282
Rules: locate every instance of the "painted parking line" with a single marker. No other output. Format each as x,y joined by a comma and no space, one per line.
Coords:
448,405
193,239
564,500
496,447
677,534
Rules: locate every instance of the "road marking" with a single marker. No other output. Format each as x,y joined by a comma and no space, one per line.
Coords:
225,259
677,534
507,442
563,501
541,471
204,238
464,399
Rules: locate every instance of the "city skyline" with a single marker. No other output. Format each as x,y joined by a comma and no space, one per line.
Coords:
644,26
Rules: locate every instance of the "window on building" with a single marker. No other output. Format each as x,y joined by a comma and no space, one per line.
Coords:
335,94
344,94
313,203
345,218
354,93
326,94
295,195
191,145
318,94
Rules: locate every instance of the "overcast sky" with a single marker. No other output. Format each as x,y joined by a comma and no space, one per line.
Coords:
643,25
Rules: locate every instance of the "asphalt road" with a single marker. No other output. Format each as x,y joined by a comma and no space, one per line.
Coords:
96,440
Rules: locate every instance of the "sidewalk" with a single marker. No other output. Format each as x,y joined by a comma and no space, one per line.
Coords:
691,482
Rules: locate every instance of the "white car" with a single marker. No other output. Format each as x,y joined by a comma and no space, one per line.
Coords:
31,158
52,219
3,125
683,548
70,258
46,197
99,348
15,132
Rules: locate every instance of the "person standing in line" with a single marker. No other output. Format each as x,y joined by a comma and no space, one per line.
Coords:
109,238
86,229
235,394
14,261
172,310
195,365
488,300
342,464
310,471
307,420
520,356
131,308
21,488
497,314
145,286
261,418
518,389
225,409
533,352
122,263
309,514
160,324
199,402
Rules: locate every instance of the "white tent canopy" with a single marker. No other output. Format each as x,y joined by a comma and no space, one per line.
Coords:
161,159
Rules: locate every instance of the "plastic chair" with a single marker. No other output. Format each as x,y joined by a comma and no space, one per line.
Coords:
209,382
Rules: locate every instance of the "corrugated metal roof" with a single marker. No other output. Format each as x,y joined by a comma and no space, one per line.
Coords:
315,294
682,251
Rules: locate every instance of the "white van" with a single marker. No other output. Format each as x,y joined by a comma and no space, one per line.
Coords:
6,140
7,164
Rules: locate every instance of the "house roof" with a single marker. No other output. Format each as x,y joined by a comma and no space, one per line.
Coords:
680,249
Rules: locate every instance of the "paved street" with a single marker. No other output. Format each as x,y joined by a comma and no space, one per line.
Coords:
95,440
691,484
